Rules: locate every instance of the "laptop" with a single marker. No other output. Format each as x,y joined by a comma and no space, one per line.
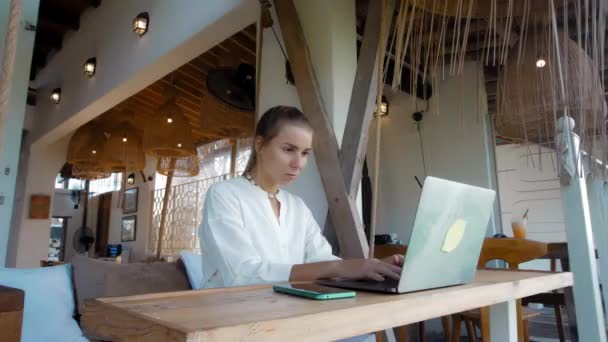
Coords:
444,247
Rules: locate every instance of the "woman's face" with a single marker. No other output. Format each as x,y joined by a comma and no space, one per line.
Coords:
285,156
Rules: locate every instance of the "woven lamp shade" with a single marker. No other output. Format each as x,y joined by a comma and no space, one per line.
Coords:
123,150
181,167
85,150
90,171
224,121
530,98
168,134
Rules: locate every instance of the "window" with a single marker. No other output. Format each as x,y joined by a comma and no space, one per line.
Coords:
57,239
97,186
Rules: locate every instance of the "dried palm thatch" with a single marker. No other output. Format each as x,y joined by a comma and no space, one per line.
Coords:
181,167
482,8
434,37
167,133
530,96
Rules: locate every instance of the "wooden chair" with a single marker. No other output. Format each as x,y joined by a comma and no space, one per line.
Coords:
514,252
401,333
556,299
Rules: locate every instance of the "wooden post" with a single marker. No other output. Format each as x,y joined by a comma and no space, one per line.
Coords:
163,212
8,63
599,222
579,235
233,156
362,100
575,204
342,209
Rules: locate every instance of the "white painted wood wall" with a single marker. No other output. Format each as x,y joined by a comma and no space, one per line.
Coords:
527,178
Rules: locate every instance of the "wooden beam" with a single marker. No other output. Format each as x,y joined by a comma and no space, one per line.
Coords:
342,209
362,101
163,214
94,3
61,24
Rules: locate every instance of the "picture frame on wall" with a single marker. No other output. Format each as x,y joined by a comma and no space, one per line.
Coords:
129,203
40,206
128,231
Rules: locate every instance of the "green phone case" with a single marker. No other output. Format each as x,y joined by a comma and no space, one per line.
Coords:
313,295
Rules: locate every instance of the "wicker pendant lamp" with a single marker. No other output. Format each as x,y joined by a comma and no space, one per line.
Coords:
167,133
89,171
85,150
181,167
123,150
224,121
529,96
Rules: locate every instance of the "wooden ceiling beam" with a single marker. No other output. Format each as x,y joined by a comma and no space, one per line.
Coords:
250,32
61,25
244,40
48,41
51,12
93,3
243,49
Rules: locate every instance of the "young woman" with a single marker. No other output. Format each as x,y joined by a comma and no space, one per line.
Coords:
254,232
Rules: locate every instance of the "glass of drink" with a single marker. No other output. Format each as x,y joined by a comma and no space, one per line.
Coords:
519,229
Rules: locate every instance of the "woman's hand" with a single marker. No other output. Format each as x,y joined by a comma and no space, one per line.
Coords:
395,259
373,269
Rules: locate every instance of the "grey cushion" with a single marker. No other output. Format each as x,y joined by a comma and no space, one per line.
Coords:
96,279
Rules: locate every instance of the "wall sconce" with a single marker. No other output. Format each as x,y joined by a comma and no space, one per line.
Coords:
56,95
383,107
89,66
141,23
131,179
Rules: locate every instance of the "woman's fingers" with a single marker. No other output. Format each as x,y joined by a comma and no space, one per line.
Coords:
392,271
376,276
396,259
386,269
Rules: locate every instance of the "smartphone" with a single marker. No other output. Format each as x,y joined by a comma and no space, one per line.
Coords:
314,291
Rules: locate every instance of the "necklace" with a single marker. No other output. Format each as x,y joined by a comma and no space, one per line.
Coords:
270,194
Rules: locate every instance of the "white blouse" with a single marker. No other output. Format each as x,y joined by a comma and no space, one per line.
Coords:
243,243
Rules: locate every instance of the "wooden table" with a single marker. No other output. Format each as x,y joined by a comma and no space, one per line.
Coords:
257,313
11,313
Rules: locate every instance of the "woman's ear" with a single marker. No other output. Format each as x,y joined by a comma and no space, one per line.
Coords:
258,143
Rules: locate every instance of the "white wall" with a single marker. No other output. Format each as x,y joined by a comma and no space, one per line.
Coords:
333,54
528,180
12,125
180,30
32,235
457,140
